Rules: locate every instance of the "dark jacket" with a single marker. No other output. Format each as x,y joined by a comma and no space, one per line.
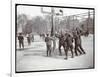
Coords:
48,40
77,38
20,38
69,40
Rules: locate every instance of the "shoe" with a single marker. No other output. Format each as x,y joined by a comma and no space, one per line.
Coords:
76,54
72,57
84,53
60,54
65,58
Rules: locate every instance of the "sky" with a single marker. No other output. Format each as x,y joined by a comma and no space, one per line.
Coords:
32,11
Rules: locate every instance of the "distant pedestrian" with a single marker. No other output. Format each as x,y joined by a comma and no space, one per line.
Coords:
21,40
48,41
28,39
32,37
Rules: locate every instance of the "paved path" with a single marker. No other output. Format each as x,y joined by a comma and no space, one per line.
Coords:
34,57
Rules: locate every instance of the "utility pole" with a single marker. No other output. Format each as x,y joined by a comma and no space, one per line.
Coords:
52,21
52,14
88,22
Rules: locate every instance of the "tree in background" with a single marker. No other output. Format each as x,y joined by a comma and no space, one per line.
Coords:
21,22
